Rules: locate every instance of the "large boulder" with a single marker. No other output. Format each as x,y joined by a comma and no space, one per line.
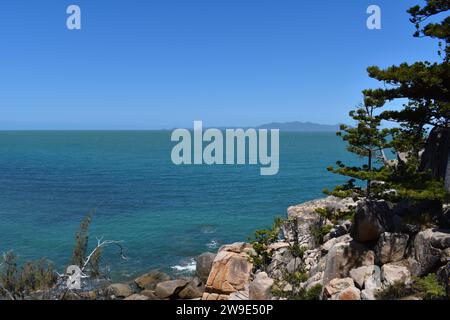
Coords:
429,249
261,287
373,282
331,203
119,290
170,289
372,218
204,264
194,289
345,256
365,274
341,289
350,293
150,294
392,273
149,280
391,247
231,269
137,297
307,217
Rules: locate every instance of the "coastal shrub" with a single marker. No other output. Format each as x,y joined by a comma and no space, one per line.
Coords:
429,288
295,249
318,232
81,242
314,293
300,293
335,216
395,291
80,250
17,281
261,242
346,190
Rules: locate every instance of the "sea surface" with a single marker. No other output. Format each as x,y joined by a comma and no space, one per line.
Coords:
164,214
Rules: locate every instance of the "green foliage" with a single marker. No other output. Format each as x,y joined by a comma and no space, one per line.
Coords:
297,251
19,281
440,30
313,293
81,246
335,216
318,232
261,242
366,140
81,242
395,291
429,288
346,190
424,86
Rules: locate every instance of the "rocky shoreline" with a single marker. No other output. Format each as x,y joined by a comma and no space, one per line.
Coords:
361,257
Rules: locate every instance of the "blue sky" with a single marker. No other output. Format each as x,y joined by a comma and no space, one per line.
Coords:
165,63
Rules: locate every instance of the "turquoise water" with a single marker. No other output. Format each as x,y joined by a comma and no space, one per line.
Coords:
165,214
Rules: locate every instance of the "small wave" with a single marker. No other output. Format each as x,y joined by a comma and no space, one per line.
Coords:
207,229
213,244
188,267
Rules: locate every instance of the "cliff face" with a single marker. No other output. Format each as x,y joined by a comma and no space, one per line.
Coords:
358,258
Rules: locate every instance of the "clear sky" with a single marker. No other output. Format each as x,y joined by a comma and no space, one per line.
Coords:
165,63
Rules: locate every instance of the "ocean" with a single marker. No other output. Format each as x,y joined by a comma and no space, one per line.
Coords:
164,214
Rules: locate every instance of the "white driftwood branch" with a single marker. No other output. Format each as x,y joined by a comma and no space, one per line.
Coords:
101,244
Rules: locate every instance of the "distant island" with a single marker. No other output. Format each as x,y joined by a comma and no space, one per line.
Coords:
297,126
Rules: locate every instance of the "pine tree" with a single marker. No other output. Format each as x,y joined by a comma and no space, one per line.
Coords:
368,141
425,86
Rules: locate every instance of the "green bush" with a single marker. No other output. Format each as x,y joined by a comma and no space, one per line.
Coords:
319,232
335,216
314,293
395,291
429,288
19,281
261,242
300,294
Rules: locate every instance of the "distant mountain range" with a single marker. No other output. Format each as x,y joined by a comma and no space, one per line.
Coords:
297,126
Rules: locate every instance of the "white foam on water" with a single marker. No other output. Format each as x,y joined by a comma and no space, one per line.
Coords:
189,267
213,244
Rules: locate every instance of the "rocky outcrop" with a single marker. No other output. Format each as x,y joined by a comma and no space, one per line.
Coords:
372,218
119,290
194,289
170,289
136,297
260,288
391,247
345,256
230,272
149,280
369,275
341,289
204,264
430,249
392,273
307,218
